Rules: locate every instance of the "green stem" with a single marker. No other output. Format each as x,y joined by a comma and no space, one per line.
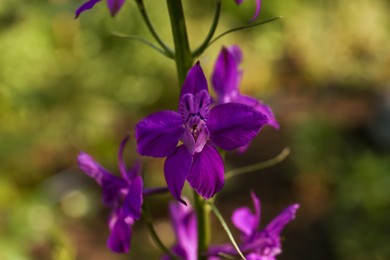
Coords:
149,222
243,28
225,226
258,166
203,223
183,57
142,9
210,35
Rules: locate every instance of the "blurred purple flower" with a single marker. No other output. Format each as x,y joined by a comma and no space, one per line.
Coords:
113,5
226,80
257,244
184,225
123,195
200,129
258,5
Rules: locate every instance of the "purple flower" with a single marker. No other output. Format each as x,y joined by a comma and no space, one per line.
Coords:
185,228
226,80
113,5
200,129
257,244
258,5
123,195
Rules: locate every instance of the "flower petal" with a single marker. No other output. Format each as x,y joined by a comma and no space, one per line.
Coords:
128,175
278,223
195,81
257,12
133,201
245,221
184,223
226,76
158,134
86,6
114,6
176,168
233,125
120,237
259,106
207,172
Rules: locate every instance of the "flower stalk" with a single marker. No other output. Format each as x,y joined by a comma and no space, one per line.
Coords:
183,56
203,222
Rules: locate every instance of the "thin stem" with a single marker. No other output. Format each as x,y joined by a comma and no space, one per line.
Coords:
183,57
153,233
258,166
144,14
143,40
243,28
225,226
203,223
210,35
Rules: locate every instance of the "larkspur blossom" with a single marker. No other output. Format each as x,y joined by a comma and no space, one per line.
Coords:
257,244
113,5
258,5
226,79
122,194
185,228
200,129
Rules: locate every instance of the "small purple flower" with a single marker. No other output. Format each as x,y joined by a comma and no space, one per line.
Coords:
113,5
122,195
226,80
257,244
258,5
200,129
185,228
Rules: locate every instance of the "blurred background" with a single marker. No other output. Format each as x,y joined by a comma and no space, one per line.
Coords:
69,85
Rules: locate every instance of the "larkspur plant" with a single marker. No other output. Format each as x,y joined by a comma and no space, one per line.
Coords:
192,140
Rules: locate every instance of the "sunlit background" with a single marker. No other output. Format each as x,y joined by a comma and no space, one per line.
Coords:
68,85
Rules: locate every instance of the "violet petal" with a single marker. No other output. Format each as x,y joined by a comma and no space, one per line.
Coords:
207,172
176,168
244,220
86,6
233,125
195,81
226,76
158,134
120,237
133,201
114,6
278,223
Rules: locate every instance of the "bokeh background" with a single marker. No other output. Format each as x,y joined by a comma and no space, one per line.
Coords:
68,85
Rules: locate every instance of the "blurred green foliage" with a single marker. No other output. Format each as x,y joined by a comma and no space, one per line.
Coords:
68,85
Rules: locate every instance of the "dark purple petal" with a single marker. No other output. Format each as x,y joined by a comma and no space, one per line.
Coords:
176,168
257,208
114,6
233,125
245,221
207,172
86,6
184,224
133,201
195,81
277,224
236,52
259,106
158,134
226,76
128,175
188,141
120,237
93,169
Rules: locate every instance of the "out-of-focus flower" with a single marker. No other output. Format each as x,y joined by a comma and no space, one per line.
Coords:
185,227
122,194
258,6
113,5
226,80
200,129
257,244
